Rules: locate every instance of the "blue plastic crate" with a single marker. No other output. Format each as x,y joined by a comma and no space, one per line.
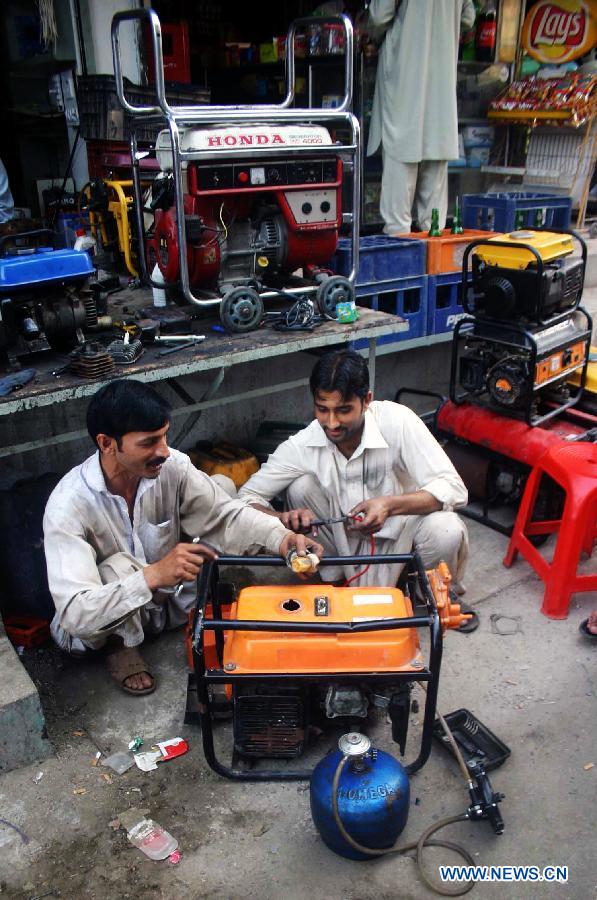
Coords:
381,259
444,307
498,212
408,299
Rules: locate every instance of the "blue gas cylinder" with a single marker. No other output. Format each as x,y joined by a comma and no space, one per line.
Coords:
373,797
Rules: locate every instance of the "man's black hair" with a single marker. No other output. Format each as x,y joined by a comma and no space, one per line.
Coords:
344,371
123,406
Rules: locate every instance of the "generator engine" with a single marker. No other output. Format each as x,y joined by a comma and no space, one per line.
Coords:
525,334
248,220
43,304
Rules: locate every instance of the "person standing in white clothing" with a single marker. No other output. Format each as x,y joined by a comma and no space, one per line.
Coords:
414,116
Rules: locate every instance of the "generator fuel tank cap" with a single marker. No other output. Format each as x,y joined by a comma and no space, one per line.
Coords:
522,235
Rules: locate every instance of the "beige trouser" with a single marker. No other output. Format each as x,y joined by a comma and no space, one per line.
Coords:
437,536
167,609
408,188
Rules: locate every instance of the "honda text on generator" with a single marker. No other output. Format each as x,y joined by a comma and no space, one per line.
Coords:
519,366
248,194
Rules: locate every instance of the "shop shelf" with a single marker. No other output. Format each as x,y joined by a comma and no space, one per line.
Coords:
500,212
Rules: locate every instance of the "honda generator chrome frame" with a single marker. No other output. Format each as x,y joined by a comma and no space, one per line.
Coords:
175,117
207,593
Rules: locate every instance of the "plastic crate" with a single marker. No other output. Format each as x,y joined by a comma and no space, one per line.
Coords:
381,259
444,307
519,209
103,118
444,253
408,299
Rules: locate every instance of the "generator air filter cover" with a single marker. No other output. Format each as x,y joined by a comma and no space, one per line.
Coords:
509,284
549,245
262,652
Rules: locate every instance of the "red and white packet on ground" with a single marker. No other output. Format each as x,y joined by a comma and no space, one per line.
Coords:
172,748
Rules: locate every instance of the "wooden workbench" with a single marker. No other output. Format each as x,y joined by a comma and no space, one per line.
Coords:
217,353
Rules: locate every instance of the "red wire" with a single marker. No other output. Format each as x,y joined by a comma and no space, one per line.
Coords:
367,567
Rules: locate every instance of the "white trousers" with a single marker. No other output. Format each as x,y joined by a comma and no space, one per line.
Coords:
437,536
412,190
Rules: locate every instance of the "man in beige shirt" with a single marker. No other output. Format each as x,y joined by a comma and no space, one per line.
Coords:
115,527
372,459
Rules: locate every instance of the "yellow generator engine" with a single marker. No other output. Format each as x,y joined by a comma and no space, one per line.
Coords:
525,333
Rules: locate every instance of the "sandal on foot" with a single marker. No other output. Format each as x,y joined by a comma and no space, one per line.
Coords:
125,662
584,630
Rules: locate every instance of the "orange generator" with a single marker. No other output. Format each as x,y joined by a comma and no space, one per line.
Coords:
283,658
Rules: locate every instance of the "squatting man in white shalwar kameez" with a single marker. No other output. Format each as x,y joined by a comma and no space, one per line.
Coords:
369,457
414,115
115,528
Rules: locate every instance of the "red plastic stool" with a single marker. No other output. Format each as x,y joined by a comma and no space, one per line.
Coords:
574,468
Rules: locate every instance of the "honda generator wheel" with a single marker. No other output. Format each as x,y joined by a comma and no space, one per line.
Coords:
332,291
241,310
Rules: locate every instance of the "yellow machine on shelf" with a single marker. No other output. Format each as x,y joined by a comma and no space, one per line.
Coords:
110,208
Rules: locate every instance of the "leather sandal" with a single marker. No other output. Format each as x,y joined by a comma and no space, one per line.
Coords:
127,661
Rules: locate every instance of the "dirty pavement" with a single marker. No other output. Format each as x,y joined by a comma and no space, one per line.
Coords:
534,687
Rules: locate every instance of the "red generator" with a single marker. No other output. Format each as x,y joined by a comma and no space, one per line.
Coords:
248,195
250,222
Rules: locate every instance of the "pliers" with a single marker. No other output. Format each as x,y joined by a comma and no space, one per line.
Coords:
316,523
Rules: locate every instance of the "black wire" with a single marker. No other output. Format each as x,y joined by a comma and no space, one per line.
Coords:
300,317
66,175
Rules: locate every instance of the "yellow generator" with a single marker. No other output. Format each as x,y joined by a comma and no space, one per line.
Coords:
523,334
109,204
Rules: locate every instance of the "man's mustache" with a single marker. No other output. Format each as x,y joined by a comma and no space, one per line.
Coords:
157,461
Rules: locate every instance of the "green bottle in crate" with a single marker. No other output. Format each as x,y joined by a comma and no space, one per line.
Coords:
457,220
434,231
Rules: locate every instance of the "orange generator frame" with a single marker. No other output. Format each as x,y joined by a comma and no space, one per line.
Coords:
286,653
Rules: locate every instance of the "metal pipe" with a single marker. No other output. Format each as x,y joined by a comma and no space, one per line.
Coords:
152,19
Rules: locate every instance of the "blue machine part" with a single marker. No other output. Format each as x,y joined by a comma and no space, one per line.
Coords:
43,266
373,802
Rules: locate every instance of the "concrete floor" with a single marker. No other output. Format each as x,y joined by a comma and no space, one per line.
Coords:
535,689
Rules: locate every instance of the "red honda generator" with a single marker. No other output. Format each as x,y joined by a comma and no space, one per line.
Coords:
248,195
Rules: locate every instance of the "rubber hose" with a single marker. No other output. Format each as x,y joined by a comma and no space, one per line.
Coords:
418,845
